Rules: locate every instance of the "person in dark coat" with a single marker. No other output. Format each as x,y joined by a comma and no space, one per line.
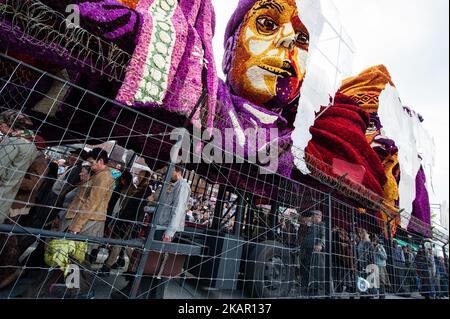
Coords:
380,259
423,270
123,183
312,259
343,261
399,268
365,255
410,271
64,184
34,218
444,277
130,219
365,250
50,198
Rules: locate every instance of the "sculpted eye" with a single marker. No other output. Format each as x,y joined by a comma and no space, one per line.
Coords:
303,38
266,25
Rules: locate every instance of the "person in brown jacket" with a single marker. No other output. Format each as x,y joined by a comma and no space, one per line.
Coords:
87,213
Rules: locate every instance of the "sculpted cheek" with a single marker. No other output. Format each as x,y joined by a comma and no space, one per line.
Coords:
255,77
257,47
249,34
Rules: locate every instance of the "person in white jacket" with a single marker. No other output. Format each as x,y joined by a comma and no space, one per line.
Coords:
173,209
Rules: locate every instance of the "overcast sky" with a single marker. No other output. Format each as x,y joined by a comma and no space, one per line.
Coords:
410,37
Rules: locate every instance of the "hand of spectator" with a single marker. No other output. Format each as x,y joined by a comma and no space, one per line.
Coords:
166,239
56,224
317,248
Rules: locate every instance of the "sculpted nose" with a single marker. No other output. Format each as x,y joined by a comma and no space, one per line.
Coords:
287,37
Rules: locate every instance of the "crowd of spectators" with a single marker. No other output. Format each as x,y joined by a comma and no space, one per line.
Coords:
86,194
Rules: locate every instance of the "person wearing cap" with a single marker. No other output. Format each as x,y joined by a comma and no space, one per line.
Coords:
409,258
399,267
423,270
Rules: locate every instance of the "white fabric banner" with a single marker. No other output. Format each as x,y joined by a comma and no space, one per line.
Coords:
401,127
331,56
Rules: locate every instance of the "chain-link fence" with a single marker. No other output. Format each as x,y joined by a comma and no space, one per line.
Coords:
88,228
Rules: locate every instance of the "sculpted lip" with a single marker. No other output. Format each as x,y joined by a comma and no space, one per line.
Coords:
286,70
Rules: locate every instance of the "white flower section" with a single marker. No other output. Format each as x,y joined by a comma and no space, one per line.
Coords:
237,128
287,29
199,52
249,33
262,117
154,85
257,47
256,77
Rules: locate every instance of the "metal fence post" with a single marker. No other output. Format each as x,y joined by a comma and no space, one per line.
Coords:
355,271
391,256
445,257
330,247
162,198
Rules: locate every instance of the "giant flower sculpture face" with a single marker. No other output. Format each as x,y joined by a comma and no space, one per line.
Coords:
271,54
